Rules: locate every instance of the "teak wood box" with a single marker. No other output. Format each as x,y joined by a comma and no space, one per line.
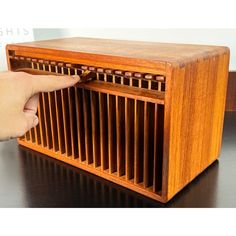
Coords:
151,119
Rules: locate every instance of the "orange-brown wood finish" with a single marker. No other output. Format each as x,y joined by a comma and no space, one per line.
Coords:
150,120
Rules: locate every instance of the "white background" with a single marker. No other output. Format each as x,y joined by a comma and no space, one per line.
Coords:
12,35
123,14
224,37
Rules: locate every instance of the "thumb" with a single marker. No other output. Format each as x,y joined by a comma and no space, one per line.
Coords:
49,83
31,120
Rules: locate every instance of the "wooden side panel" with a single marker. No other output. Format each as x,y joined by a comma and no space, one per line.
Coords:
231,92
197,93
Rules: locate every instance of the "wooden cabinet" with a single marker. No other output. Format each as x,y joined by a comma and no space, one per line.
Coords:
150,119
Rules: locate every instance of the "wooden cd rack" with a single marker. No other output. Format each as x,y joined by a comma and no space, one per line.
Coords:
147,120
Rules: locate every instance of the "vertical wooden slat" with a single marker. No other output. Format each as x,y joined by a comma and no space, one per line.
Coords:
148,143
131,135
53,120
40,117
42,121
72,119
120,128
87,127
45,119
95,128
129,142
35,131
138,117
136,143
103,130
80,123
46,112
127,137
38,133
145,144
110,147
110,144
111,119
129,152
70,103
73,123
66,121
59,120
49,123
77,119
118,136
59,117
155,170
102,133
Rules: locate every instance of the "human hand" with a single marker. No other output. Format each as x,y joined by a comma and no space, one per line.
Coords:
19,99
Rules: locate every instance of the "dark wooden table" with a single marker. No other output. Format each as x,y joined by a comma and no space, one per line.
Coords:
30,179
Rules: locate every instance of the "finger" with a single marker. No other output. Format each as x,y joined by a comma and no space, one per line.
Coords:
48,83
32,104
31,121
22,123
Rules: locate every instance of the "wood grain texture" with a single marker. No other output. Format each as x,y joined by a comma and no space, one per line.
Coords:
118,54
196,112
231,92
163,52
151,141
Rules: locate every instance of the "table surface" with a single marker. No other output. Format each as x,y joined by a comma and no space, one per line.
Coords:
30,179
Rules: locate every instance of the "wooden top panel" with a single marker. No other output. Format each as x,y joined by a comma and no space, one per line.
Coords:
166,52
149,56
